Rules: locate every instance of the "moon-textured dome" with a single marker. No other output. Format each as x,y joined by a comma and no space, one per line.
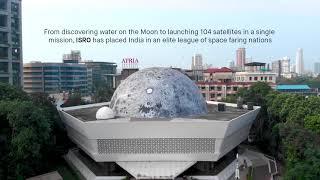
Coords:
158,93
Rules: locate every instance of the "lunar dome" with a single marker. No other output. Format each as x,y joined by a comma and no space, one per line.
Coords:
158,93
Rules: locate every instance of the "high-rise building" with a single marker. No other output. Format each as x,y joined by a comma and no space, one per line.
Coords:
231,64
281,67
197,62
197,67
317,68
73,57
285,65
103,73
89,80
293,68
299,62
55,77
241,57
276,67
10,42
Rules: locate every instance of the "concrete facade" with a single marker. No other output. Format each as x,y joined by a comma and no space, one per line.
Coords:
268,77
10,42
55,77
109,140
158,126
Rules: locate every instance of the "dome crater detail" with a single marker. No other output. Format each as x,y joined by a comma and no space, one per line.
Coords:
158,93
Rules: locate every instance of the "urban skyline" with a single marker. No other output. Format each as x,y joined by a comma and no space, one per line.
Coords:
289,66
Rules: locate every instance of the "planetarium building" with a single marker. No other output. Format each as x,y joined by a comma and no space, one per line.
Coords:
157,126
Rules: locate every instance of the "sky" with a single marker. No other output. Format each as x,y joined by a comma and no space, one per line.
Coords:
296,23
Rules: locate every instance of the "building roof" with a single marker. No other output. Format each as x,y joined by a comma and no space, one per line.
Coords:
88,113
218,70
223,83
293,87
255,64
99,62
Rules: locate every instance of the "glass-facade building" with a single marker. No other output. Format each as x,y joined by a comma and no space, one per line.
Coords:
10,42
55,77
103,73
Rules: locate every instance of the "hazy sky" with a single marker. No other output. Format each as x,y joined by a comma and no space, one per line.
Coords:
296,23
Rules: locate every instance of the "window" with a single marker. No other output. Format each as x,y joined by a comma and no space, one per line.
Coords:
219,88
203,87
32,68
51,73
265,78
3,4
33,73
270,78
16,80
3,21
32,78
33,83
15,53
212,95
261,78
204,95
3,53
228,88
211,88
51,83
250,78
256,78
219,95
15,24
14,7
52,78
15,38
16,67
235,88
4,79
3,67
51,68
3,37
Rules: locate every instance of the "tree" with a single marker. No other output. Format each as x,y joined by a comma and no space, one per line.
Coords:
61,141
312,122
308,168
73,100
32,138
8,92
230,99
103,95
256,93
288,128
29,132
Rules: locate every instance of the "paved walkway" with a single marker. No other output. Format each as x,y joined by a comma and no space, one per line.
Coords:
262,165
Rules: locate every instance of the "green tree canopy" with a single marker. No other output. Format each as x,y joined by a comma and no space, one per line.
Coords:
28,133
312,122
